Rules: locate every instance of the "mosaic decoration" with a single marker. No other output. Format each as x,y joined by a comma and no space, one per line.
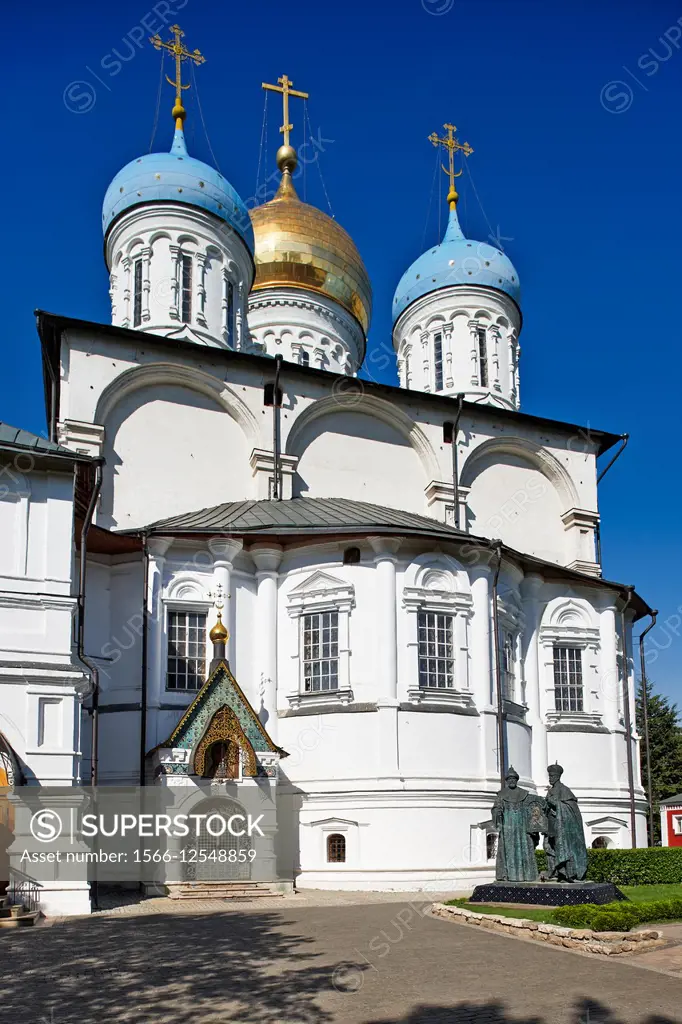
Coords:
220,711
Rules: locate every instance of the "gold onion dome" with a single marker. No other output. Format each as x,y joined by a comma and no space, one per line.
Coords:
298,246
218,634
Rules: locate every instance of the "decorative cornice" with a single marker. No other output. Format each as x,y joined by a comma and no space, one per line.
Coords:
269,300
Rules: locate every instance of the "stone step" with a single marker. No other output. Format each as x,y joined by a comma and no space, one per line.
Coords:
24,920
220,891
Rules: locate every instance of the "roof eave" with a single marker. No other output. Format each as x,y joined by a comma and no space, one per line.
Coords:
603,440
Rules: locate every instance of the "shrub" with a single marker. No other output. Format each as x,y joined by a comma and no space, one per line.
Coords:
658,865
617,917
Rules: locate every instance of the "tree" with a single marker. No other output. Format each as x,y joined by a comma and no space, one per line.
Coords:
665,746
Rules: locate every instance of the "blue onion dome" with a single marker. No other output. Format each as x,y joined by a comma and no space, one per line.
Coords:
456,261
179,178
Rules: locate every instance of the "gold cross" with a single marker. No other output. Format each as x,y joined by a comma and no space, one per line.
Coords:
284,87
180,52
452,145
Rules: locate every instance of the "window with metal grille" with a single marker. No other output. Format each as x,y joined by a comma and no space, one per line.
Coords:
185,288
186,669
568,679
304,357
336,849
508,654
482,356
491,846
321,651
438,362
229,313
137,293
436,650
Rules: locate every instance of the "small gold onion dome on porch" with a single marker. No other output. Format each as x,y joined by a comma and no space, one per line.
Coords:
298,246
219,634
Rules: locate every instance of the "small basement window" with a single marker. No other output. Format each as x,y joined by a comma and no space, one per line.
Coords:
336,849
269,394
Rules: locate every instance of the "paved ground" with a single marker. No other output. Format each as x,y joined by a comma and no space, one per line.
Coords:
371,962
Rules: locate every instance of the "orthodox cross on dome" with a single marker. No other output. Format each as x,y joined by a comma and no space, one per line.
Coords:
180,53
450,143
286,155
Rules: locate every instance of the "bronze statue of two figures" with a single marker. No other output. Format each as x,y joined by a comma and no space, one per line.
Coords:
521,818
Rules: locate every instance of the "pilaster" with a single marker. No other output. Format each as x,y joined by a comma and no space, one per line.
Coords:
267,558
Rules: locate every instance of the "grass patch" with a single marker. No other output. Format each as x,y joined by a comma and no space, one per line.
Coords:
646,893
645,904
528,914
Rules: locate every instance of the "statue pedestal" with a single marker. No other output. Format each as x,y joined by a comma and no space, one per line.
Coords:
547,894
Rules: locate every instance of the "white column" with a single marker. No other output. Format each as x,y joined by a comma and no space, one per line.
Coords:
200,298
481,664
146,282
156,668
481,630
174,310
224,552
530,591
267,558
126,265
385,549
609,686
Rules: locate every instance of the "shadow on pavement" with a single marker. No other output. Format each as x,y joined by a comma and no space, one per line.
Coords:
181,968
587,1011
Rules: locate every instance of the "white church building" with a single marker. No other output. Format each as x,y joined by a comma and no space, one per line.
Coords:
410,575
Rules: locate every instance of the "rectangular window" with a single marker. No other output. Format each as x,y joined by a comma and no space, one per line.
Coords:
482,357
436,650
230,314
321,651
137,293
186,651
304,357
508,666
185,288
438,362
568,679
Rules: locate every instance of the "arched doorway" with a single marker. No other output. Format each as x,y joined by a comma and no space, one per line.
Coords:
222,760
224,752
215,854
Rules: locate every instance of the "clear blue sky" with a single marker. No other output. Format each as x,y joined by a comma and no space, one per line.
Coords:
580,177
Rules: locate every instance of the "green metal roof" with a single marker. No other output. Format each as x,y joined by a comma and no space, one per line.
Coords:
305,516
300,515
16,439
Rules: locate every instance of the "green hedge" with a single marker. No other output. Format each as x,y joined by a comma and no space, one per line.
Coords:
618,917
657,865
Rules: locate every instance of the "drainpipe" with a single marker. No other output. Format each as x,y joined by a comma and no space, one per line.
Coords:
276,484
80,624
455,457
624,439
497,547
645,717
143,669
628,716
